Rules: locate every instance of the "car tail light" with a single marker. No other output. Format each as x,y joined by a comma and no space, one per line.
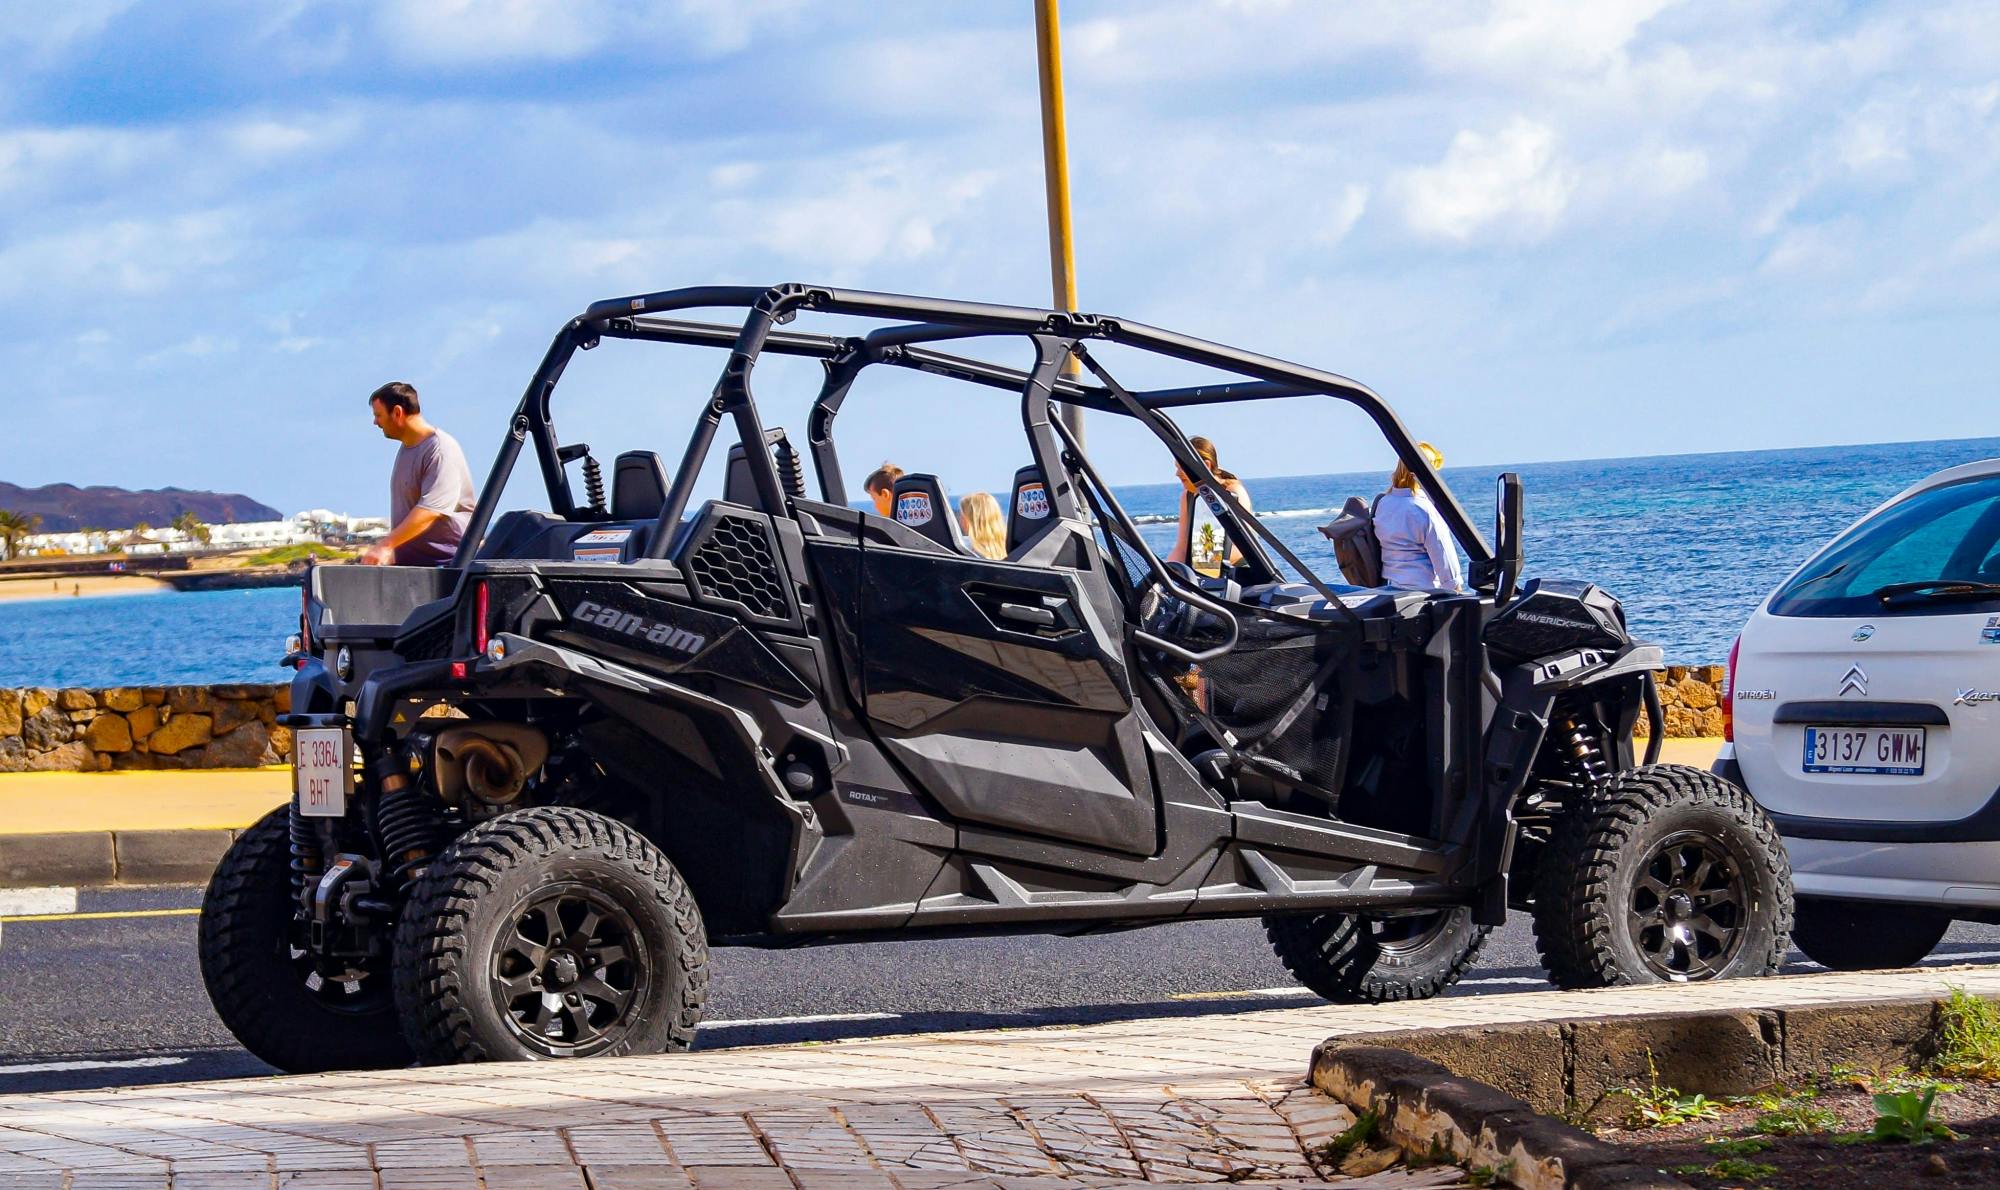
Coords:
305,621
479,632
1729,695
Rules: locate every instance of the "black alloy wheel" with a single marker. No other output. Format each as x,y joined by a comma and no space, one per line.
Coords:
1354,958
1687,907
281,1004
569,970
1663,874
549,932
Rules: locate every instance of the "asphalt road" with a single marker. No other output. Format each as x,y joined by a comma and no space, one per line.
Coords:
93,1001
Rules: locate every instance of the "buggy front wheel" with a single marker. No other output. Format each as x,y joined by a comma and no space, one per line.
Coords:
1663,874
1352,958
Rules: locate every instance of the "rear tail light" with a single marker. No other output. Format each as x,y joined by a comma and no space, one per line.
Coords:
1729,694
305,620
479,605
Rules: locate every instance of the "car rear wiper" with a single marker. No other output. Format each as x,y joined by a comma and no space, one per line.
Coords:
1936,589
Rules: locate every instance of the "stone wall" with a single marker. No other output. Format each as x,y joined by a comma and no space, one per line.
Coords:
197,727
1691,696
143,727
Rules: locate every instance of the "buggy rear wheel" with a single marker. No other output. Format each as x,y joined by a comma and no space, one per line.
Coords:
1352,958
1864,936
1664,874
289,1011
550,932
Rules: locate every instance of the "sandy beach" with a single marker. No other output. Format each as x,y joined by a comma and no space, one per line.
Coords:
89,585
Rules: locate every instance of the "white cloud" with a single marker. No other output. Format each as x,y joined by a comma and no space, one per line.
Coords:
470,31
1341,214
1537,37
1512,182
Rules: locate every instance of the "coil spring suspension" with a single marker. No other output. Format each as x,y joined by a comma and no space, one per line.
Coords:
1580,750
790,469
593,484
306,863
411,825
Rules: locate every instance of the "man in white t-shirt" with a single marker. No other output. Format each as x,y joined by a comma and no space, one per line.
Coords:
430,489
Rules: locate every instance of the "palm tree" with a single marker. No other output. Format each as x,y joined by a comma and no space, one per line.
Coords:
13,527
188,523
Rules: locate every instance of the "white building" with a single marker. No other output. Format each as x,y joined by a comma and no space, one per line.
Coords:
313,525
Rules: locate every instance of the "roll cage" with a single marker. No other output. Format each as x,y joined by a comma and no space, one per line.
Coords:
918,324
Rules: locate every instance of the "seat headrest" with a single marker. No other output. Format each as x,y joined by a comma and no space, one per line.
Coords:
738,485
638,486
922,505
1028,512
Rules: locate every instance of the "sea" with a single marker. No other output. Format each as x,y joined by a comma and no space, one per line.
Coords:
1689,543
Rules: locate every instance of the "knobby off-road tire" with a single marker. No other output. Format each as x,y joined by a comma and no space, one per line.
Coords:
1662,874
547,933
263,985
1352,959
1863,936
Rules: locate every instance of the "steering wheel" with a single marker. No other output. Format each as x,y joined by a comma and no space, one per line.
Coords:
1167,618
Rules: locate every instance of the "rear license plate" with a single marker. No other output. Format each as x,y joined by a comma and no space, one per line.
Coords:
1883,751
320,771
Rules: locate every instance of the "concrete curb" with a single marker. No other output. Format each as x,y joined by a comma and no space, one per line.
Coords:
1482,1093
1575,1065
112,857
1424,1108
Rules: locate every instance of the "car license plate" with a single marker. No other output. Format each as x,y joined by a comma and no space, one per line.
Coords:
320,771
1883,751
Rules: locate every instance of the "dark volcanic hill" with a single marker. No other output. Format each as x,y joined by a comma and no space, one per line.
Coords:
65,508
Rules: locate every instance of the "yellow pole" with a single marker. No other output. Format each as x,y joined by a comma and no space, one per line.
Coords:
1055,174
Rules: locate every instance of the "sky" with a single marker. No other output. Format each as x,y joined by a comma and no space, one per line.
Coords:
1542,230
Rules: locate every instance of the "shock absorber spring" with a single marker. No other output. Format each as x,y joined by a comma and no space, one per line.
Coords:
789,468
306,861
593,484
1580,746
411,825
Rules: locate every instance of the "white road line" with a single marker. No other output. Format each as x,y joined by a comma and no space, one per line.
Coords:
15,902
58,1067
826,1018
1947,959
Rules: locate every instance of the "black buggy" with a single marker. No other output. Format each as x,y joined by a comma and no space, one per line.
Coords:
533,788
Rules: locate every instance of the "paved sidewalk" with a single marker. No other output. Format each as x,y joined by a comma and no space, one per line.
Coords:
1216,1098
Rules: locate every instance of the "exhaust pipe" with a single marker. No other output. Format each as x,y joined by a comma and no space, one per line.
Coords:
491,761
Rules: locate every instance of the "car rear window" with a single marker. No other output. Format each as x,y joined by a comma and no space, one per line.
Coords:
1947,535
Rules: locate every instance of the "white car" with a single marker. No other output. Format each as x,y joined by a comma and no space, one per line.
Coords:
1863,713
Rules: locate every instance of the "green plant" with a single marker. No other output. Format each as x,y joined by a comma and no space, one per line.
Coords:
1488,1175
1731,1169
1437,1153
1655,1106
1796,1119
1735,1146
1363,1130
1969,1041
1907,1117
283,554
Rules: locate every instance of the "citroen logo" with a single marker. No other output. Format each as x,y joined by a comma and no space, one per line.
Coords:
1864,632
1855,682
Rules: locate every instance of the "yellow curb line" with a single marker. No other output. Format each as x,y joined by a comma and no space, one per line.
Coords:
101,916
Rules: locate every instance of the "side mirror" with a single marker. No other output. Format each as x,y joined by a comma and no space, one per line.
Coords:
1507,536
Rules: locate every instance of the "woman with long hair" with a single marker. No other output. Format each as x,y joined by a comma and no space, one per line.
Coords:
1201,544
1417,551
985,529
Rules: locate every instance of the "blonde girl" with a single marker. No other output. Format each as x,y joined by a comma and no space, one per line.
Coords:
985,530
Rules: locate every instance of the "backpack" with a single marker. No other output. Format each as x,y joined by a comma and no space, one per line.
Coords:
1355,545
